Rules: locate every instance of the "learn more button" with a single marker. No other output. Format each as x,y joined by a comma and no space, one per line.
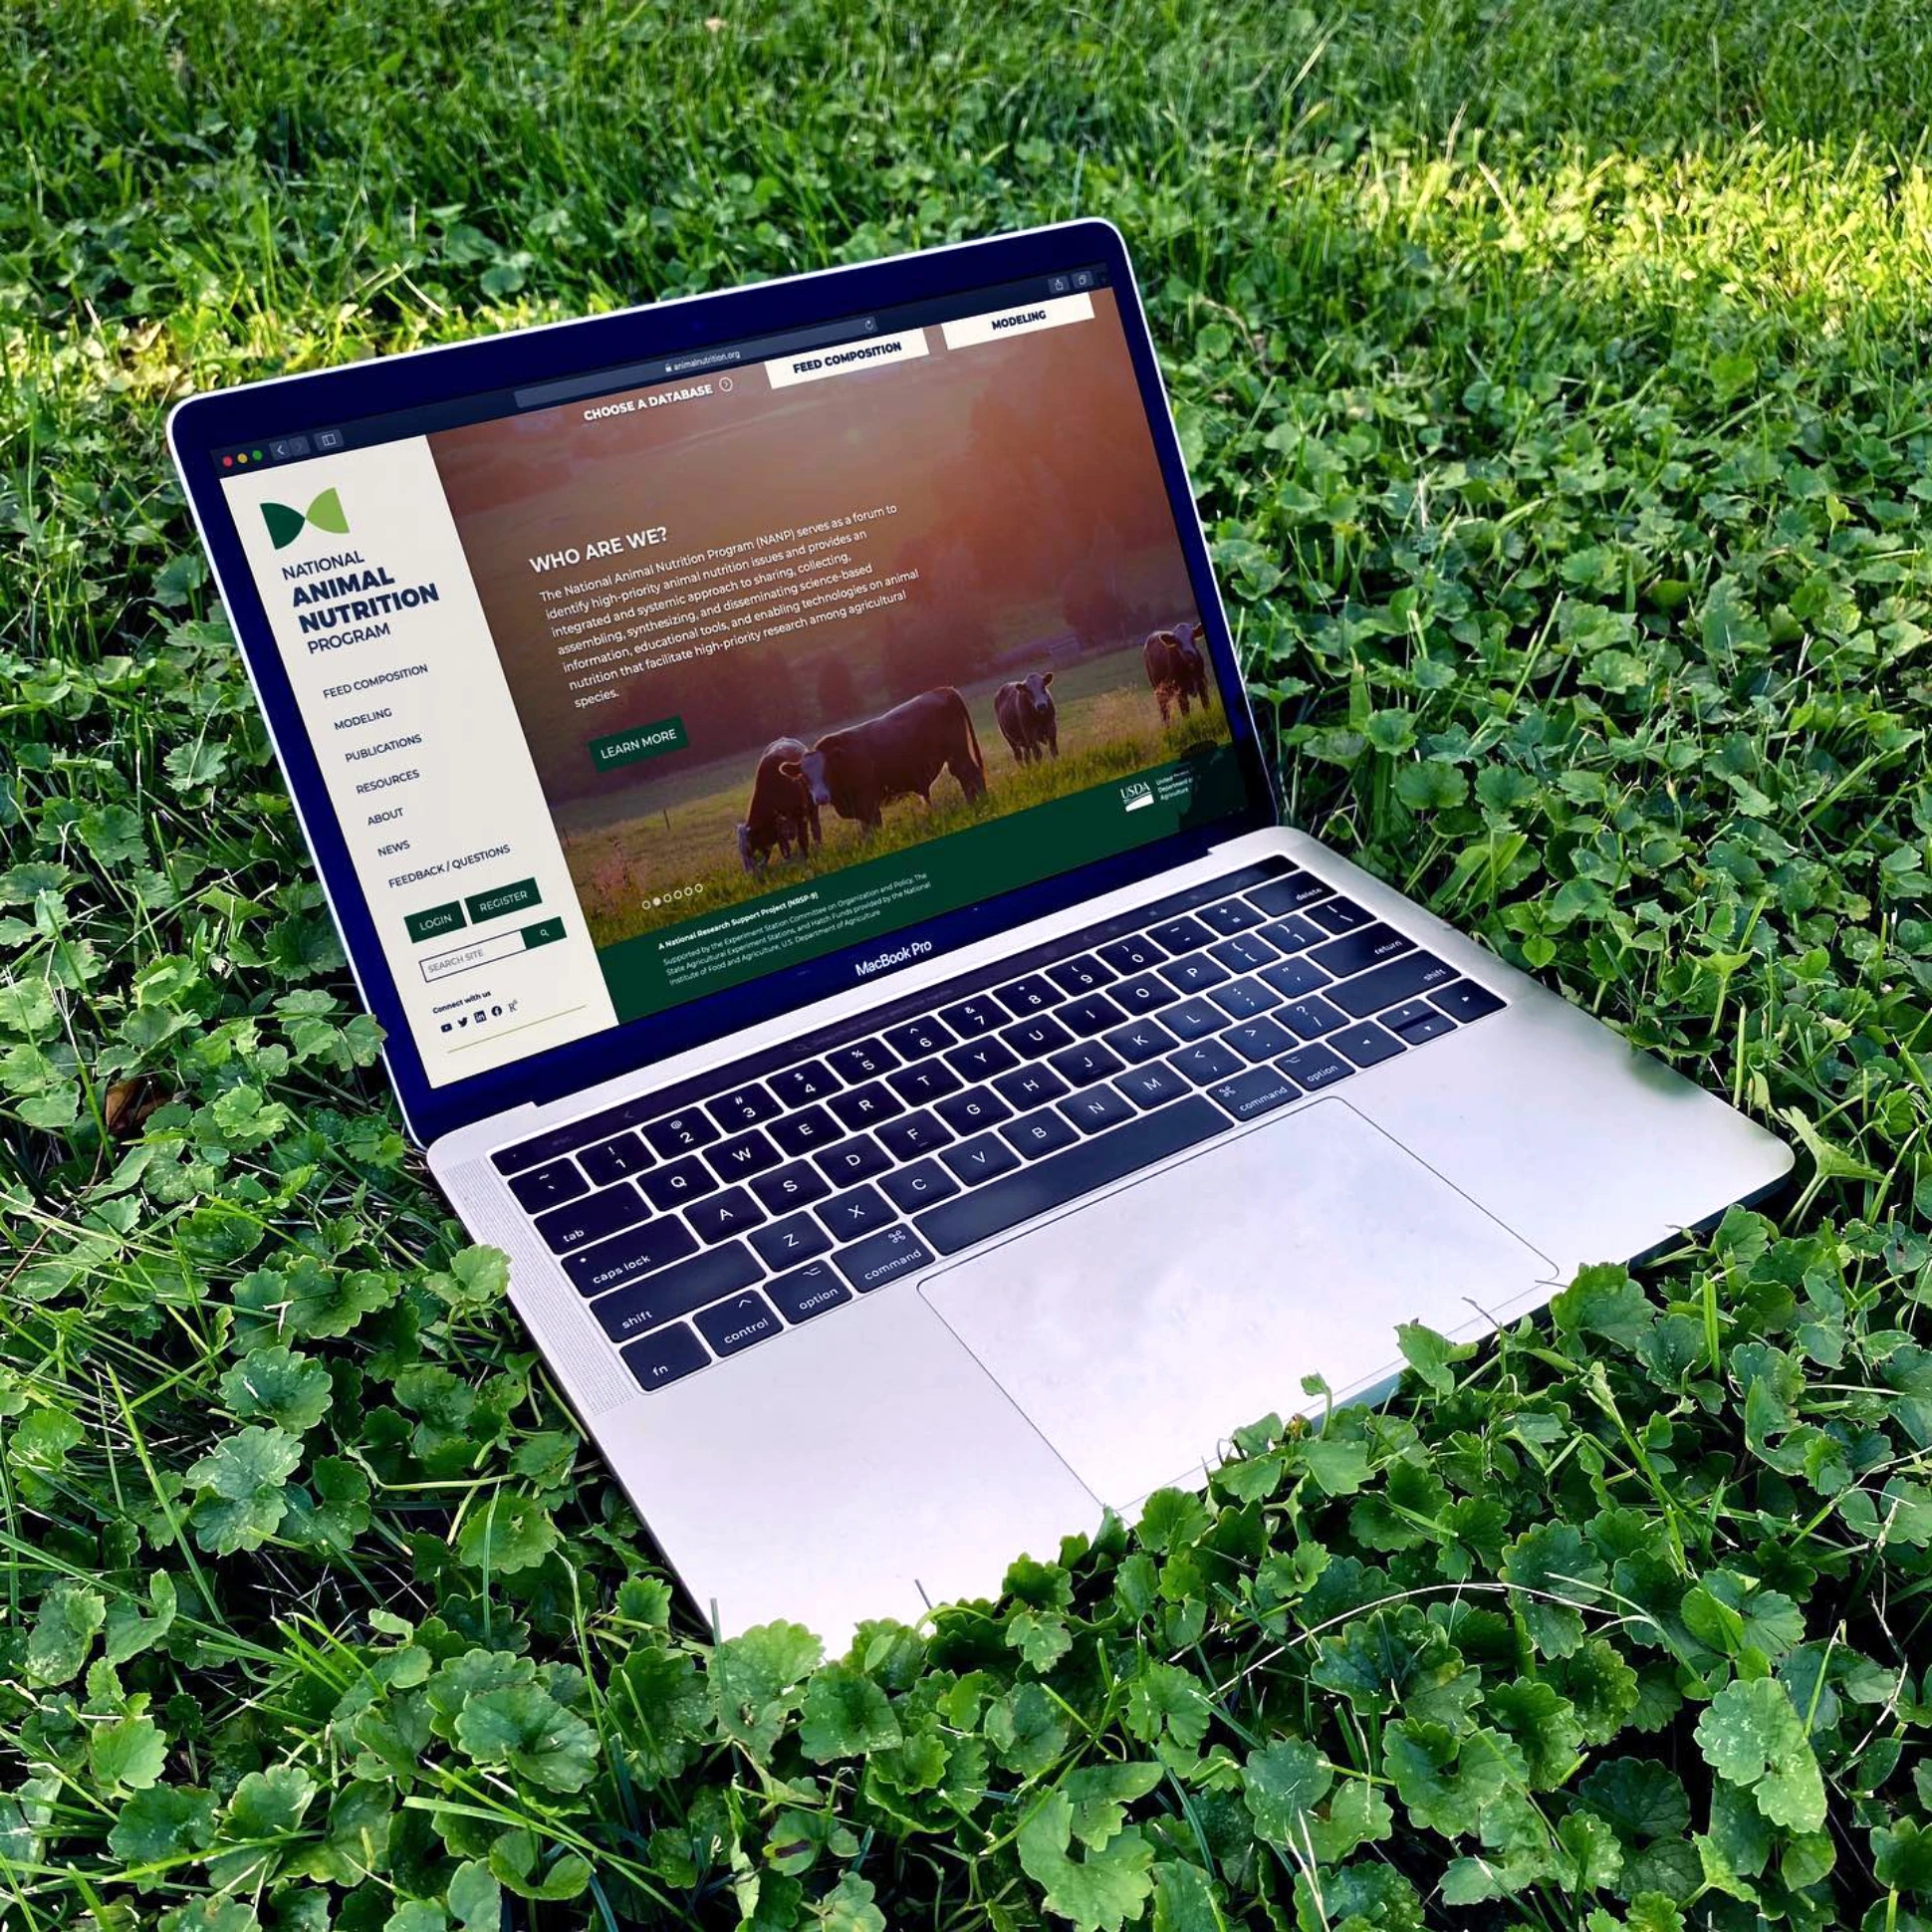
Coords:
505,898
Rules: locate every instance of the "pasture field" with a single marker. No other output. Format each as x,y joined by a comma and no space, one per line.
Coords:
1557,384
683,850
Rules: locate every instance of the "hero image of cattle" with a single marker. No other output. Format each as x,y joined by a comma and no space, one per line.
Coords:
882,773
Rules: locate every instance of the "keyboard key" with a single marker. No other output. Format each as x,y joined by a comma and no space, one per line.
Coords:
1141,1040
612,1160
549,1186
1082,1065
1194,974
983,1159
807,1292
1206,1062
1259,1040
919,1038
865,1062
1288,895
853,1160
786,1244
750,1154
806,1130
1034,994
1132,955
1400,979
1247,954
665,1358
680,1133
593,1217
1097,1108
1366,946
1424,1028
1092,1013
885,1257
683,1180
1314,1066
639,1252
796,1186
863,1106
918,1133
1312,1017
1039,1134
1465,999
985,1211
677,1291
980,1059
1182,935
1032,1038
924,1184
1291,934
1242,999
1260,1091
811,1082
1339,916
738,1324
1027,1086
1194,1020
858,1210
1143,994
1151,1085
1081,975
743,1107
1231,916
977,1107
932,1080
972,1017
1295,977
719,1216
1365,1045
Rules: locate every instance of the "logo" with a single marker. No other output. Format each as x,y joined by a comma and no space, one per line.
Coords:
1135,795
286,524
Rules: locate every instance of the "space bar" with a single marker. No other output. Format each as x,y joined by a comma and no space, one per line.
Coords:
1062,1177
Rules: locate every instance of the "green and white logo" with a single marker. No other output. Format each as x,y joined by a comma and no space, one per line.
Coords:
286,524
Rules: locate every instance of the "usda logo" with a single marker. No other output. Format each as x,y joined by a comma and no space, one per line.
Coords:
1136,794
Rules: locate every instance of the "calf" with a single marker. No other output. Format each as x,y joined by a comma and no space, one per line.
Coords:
1176,668
1028,717
859,770
782,810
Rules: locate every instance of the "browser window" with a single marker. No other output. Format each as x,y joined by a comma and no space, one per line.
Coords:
637,686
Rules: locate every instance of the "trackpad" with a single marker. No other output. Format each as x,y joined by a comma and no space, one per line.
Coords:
1138,1330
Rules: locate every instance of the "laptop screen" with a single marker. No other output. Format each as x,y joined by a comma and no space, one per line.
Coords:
639,685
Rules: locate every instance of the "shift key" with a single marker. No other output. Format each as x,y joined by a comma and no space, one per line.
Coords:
677,1289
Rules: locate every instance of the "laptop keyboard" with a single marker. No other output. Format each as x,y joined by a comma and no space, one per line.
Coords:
714,1216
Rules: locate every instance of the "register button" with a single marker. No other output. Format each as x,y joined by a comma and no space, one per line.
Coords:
506,898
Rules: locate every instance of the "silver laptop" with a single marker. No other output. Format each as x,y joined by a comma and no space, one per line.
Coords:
781,773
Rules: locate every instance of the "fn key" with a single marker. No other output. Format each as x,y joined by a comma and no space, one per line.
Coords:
666,1357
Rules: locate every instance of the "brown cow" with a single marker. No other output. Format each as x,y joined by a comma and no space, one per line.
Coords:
859,770
1028,717
782,810
1176,668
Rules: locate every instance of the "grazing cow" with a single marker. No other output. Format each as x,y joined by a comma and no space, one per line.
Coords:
1176,668
859,770
1028,717
782,812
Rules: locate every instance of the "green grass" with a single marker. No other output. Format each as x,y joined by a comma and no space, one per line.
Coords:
1557,382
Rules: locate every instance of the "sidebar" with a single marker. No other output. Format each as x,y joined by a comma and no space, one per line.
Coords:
358,561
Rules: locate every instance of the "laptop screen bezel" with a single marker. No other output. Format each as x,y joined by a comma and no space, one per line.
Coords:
296,404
